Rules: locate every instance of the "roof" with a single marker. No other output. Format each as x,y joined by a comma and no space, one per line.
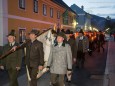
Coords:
77,9
64,5
98,22
112,20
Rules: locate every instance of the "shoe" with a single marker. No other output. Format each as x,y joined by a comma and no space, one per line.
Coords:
68,81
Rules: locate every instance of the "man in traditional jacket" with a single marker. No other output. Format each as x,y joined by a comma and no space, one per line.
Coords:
82,44
72,44
34,56
100,41
11,62
60,60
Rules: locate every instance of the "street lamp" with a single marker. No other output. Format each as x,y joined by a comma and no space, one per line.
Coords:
85,27
74,23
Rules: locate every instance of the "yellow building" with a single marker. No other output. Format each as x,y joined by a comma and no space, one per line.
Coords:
25,15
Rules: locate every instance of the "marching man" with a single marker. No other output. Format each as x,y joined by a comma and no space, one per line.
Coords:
34,56
60,60
13,61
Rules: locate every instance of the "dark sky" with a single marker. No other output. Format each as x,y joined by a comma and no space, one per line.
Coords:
102,8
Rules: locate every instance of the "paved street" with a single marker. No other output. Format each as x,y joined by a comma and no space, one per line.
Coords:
91,75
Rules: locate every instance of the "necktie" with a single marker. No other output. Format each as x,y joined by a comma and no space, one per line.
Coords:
31,44
11,44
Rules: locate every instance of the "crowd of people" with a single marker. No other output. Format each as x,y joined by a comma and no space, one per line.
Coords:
67,49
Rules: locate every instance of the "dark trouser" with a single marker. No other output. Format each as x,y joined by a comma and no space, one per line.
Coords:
80,59
100,45
33,74
91,48
13,74
57,79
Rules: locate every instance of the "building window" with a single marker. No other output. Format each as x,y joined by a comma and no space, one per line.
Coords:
35,6
51,12
44,10
22,4
58,15
71,19
65,20
22,35
65,17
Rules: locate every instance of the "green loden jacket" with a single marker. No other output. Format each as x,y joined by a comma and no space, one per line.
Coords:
14,59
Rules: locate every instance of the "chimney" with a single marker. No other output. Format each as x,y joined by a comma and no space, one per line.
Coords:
82,7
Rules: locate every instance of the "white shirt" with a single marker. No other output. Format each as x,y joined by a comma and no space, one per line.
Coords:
59,44
12,44
81,38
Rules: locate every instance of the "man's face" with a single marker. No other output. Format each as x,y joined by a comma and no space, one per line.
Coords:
67,35
80,34
11,39
60,39
32,36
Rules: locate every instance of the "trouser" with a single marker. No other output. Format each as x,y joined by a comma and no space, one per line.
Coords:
57,79
33,74
100,45
13,74
80,59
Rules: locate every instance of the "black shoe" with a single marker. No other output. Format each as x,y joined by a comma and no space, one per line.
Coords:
68,81
77,66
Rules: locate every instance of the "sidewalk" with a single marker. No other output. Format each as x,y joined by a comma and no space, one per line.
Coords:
109,78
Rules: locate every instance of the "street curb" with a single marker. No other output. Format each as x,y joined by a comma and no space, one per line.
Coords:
106,79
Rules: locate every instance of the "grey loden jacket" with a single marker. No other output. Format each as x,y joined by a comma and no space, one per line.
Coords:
60,59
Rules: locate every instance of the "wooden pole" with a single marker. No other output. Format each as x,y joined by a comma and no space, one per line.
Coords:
18,47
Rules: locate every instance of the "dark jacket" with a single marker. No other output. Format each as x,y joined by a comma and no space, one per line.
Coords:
101,38
85,43
14,59
72,44
34,54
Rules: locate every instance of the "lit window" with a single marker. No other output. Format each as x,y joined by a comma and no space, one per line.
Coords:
22,34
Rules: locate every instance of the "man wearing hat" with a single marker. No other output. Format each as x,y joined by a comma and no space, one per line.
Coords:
72,44
60,60
82,45
34,56
12,62
100,41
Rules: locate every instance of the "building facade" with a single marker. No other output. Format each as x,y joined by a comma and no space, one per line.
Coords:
25,15
84,19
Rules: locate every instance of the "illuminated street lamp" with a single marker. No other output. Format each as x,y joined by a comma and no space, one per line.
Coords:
95,29
74,24
85,27
90,28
